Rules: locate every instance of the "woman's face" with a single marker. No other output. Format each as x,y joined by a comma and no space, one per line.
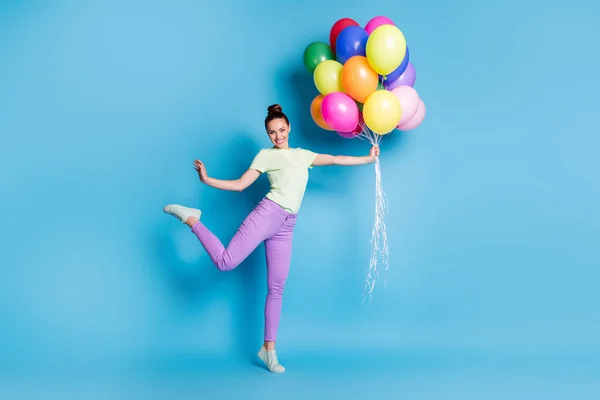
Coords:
278,131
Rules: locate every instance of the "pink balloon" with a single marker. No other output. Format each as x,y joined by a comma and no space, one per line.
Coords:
409,101
376,22
340,112
415,120
356,132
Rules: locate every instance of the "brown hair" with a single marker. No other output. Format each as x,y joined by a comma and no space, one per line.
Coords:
275,111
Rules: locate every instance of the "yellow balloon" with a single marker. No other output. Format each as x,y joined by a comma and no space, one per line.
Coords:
328,77
386,48
382,111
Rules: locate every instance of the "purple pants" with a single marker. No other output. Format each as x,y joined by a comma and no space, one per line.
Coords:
268,223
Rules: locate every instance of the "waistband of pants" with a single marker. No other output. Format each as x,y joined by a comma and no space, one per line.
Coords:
277,207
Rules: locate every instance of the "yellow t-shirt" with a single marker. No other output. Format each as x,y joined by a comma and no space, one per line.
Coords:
287,170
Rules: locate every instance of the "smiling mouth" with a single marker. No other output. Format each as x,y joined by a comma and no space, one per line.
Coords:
280,141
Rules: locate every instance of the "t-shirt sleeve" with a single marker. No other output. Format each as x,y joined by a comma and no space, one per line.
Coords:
260,162
310,157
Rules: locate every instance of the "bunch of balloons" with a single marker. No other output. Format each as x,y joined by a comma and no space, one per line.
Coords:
365,79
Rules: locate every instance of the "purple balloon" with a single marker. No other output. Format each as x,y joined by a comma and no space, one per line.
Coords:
407,78
348,135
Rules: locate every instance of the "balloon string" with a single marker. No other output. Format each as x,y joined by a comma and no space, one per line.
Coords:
379,244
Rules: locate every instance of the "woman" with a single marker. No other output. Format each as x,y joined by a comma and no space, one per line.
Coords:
273,219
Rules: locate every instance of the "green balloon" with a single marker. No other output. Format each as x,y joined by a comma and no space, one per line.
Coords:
360,105
380,86
316,53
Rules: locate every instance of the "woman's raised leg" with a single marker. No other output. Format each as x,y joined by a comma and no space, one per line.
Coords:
259,225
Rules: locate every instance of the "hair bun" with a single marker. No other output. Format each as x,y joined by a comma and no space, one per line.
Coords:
275,108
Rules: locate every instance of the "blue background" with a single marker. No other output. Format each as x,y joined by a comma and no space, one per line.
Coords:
493,221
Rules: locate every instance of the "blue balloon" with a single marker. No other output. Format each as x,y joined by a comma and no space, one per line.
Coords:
352,41
395,74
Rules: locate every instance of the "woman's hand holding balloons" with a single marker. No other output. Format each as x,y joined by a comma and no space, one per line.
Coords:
374,153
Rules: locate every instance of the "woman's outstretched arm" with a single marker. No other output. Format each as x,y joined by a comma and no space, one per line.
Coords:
237,185
326,159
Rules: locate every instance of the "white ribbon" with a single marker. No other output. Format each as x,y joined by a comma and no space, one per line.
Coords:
379,245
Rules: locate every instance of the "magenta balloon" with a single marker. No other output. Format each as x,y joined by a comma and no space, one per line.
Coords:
409,101
407,78
376,23
340,112
416,120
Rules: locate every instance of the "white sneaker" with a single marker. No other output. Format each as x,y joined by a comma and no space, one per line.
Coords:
182,213
271,361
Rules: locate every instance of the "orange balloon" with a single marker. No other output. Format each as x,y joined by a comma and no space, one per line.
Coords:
315,112
359,78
